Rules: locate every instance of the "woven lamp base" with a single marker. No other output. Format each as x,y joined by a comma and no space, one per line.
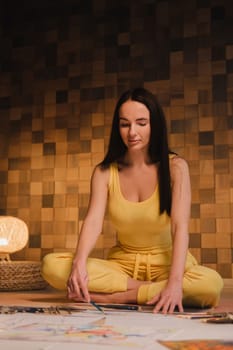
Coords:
21,275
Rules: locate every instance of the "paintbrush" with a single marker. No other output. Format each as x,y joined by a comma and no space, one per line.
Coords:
97,306
94,304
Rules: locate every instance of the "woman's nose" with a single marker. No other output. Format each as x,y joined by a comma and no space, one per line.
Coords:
132,130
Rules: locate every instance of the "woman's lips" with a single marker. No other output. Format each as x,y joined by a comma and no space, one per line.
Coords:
133,142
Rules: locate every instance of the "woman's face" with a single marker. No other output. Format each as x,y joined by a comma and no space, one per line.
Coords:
134,125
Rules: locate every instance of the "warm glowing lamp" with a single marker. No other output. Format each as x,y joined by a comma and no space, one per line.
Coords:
17,275
13,236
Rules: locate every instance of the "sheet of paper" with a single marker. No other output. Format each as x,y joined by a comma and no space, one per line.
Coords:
92,329
116,329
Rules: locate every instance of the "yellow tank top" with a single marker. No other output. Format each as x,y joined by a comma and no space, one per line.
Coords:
139,225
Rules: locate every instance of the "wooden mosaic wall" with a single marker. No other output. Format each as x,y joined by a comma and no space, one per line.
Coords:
62,68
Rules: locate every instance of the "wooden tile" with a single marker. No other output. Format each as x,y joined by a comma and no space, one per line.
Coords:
208,241
224,256
209,255
208,225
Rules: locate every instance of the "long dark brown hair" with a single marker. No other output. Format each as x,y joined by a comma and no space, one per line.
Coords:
158,145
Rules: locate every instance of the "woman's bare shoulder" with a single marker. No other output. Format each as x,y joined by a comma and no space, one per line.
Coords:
100,174
177,160
178,166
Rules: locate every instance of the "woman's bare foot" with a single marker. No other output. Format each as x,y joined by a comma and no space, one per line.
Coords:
127,297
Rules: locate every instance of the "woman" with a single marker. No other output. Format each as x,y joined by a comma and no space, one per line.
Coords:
146,189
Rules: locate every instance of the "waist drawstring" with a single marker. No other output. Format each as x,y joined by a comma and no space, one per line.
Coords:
138,260
136,267
148,265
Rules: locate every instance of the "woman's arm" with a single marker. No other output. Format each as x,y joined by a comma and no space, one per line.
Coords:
180,216
171,296
91,229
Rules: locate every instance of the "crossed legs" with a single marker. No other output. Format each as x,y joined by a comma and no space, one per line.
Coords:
108,283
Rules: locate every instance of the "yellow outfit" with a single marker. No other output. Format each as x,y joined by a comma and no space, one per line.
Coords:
143,252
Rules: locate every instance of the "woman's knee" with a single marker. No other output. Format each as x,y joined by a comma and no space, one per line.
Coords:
213,287
56,268
202,287
104,277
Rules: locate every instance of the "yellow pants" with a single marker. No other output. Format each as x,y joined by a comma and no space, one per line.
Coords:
201,285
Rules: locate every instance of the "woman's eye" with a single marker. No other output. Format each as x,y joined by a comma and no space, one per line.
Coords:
127,125
124,125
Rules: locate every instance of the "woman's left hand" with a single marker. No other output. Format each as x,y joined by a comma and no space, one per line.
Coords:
168,299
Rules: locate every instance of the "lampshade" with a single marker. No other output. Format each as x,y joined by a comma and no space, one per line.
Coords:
13,234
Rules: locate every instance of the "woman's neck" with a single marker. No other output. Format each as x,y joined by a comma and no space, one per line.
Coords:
136,159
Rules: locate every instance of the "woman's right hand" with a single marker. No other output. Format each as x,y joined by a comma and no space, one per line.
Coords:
77,284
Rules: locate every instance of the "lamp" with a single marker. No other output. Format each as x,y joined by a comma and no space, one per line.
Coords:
17,275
